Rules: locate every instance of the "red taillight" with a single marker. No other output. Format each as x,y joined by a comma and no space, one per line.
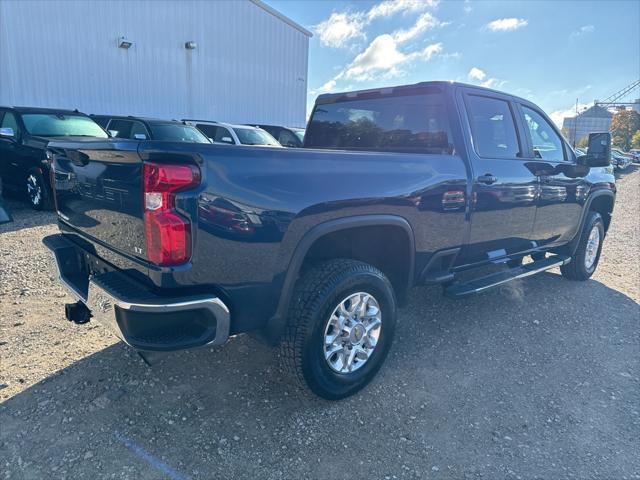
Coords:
168,233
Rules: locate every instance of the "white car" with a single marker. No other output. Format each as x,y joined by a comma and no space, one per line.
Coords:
229,134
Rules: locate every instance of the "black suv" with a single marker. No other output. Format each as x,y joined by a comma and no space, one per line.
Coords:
138,128
24,135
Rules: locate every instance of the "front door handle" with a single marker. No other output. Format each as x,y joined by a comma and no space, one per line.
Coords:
487,179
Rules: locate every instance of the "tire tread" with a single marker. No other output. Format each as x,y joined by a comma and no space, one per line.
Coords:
308,294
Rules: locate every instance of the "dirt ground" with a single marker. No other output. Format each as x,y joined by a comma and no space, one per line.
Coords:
539,379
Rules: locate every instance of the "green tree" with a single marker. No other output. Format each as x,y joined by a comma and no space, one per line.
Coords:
635,140
624,126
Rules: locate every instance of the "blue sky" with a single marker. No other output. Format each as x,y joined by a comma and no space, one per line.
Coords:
550,52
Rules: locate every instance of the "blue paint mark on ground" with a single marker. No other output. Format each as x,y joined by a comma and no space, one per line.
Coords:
149,458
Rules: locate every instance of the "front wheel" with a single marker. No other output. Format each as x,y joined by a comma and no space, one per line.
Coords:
587,255
37,191
340,328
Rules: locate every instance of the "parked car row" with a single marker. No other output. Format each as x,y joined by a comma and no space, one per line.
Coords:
229,134
25,133
619,159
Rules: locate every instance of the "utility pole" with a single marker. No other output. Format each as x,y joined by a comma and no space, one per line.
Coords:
575,126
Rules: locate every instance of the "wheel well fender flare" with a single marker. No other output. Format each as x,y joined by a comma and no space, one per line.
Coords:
585,211
277,323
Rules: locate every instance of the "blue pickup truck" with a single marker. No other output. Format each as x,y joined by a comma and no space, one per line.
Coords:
178,245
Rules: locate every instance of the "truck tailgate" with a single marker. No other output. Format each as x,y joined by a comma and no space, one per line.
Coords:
98,191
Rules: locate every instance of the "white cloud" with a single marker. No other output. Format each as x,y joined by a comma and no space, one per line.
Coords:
339,28
391,7
382,58
425,22
343,27
559,115
476,74
467,7
430,51
583,30
493,83
381,55
326,88
506,24
479,77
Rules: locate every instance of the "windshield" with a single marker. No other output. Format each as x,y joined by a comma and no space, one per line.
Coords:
178,133
299,133
254,136
61,125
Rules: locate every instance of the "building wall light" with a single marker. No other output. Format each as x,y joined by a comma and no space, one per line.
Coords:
124,43
190,45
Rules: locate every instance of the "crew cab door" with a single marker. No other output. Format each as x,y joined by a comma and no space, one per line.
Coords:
504,190
563,183
11,168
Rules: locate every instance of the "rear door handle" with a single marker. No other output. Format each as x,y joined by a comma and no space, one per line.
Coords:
487,179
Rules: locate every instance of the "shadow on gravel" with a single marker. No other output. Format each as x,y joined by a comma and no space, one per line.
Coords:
24,216
539,378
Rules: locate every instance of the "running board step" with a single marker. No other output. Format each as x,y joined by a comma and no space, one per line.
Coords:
484,283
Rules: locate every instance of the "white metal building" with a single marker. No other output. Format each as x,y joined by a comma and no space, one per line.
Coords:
249,64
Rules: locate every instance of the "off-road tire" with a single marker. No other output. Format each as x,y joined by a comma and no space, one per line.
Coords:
576,268
315,296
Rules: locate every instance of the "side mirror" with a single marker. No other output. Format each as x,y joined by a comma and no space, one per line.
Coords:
140,136
113,133
226,139
7,133
599,151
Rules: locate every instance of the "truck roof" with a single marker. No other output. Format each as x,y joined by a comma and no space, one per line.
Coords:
148,120
45,110
334,97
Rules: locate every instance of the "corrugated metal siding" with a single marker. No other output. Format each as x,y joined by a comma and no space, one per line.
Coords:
249,66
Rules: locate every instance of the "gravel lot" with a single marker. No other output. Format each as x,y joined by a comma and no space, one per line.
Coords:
539,379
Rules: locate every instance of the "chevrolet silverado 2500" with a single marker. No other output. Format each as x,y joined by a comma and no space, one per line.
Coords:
180,245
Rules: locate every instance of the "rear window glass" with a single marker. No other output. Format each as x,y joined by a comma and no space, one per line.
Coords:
410,123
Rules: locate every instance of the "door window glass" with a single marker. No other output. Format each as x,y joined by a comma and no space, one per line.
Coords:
546,143
120,128
208,130
9,121
102,121
138,129
287,139
492,127
223,136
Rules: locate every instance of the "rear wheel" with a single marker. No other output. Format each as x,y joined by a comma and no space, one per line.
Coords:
585,260
37,191
340,328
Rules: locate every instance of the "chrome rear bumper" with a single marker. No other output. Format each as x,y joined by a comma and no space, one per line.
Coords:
142,319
